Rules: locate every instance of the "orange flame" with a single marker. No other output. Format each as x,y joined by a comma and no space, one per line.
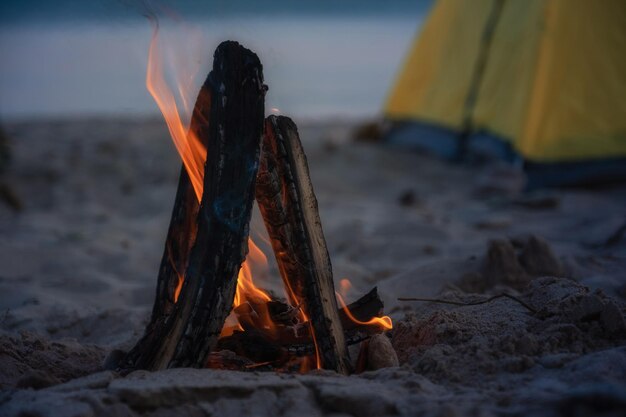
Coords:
383,322
189,147
179,286
246,290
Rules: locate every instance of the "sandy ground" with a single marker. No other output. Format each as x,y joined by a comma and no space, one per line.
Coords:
79,265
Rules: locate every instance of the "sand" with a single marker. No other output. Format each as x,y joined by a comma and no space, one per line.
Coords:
79,265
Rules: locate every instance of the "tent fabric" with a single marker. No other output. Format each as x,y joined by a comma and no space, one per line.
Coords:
437,73
553,84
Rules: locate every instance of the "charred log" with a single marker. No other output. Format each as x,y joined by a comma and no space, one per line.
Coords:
207,242
226,359
289,208
254,345
295,339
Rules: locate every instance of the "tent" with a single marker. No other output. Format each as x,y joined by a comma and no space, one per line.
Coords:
542,82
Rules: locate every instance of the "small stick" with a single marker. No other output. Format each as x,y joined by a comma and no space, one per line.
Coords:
458,303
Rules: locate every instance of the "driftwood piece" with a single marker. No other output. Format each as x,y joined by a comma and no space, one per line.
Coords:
207,243
289,208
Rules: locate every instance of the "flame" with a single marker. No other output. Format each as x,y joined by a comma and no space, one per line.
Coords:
383,322
249,295
231,326
344,287
179,286
246,290
189,147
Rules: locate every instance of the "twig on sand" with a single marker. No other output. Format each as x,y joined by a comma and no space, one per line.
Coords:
462,304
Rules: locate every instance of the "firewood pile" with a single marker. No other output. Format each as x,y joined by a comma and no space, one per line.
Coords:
248,158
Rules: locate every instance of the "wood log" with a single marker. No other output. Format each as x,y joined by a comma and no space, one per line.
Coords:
254,345
295,339
226,359
289,208
207,242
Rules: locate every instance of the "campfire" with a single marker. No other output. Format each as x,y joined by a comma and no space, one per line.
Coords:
208,312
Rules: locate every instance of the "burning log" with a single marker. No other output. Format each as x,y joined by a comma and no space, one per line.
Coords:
290,340
207,242
289,208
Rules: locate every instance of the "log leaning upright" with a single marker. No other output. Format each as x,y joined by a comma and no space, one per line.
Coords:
289,208
207,242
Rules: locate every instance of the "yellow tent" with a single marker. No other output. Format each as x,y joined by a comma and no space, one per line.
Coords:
546,77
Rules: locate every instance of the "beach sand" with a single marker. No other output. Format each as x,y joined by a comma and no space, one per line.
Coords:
79,265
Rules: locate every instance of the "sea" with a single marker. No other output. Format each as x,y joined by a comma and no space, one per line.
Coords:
323,58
